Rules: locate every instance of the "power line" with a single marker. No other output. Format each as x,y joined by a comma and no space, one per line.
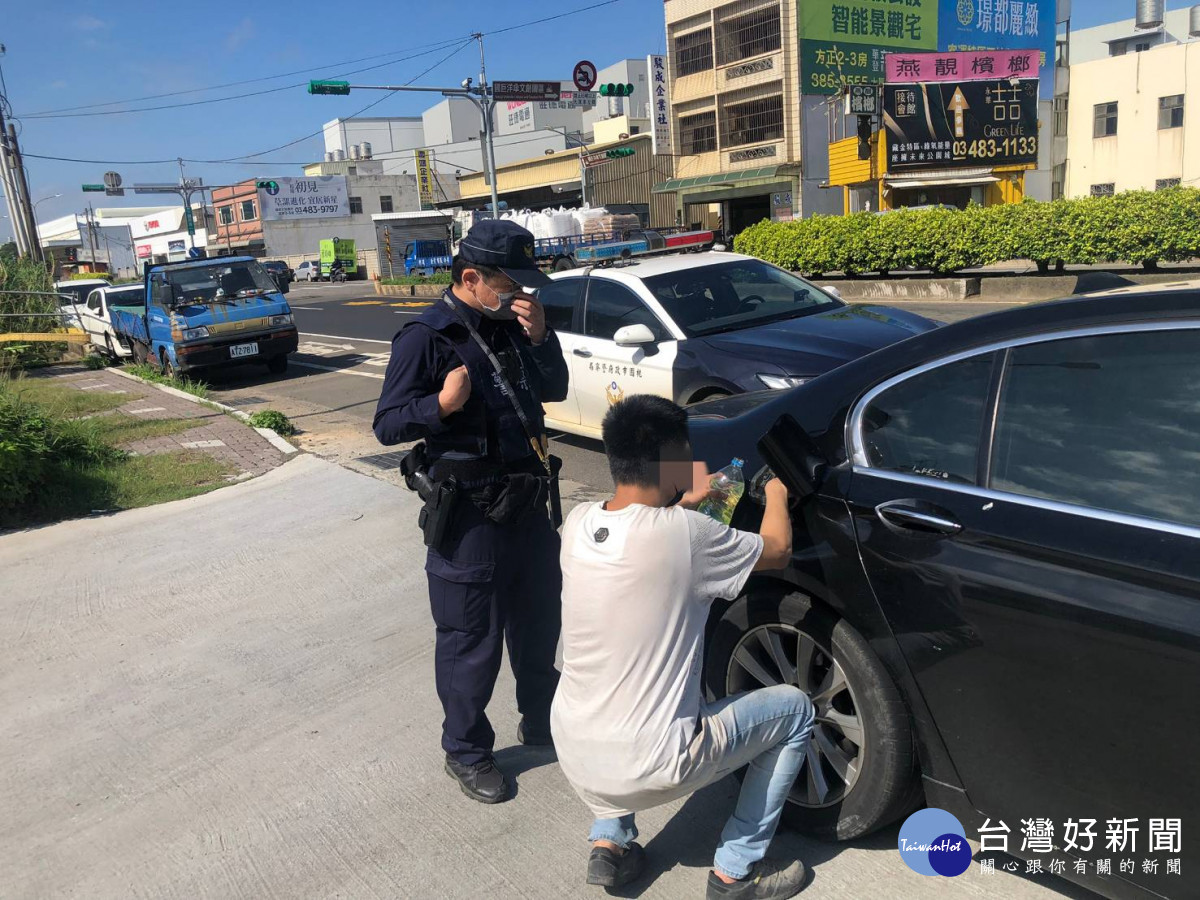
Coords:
274,90
216,87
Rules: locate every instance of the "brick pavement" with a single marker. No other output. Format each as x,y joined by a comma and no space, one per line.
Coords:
215,433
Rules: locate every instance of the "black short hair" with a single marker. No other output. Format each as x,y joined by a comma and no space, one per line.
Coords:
636,431
460,265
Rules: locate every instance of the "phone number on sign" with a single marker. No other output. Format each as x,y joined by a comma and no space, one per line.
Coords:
290,211
989,149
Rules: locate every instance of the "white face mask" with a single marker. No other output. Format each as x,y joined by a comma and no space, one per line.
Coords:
503,309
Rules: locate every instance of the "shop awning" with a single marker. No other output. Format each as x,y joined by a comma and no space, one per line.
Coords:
941,178
677,184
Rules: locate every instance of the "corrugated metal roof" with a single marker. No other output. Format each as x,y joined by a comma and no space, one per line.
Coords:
676,184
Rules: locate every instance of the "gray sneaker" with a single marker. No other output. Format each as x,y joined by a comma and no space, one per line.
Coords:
768,880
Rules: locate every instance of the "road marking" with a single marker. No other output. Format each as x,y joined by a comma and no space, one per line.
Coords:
342,337
196,445
138,412
308,365
363,303
413,303
313,308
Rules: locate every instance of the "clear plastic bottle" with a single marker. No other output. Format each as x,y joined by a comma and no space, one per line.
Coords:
728,485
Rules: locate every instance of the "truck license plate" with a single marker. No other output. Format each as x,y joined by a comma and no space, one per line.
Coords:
243,350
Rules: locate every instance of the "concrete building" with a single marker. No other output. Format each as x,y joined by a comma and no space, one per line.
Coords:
636,107
1130,120
391,139
161,236
83,243
238,224
1123,37
564,114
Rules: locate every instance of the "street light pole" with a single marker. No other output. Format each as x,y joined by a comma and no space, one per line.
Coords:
487,106
35,206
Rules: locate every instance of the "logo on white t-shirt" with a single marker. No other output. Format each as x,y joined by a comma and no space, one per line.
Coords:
601,535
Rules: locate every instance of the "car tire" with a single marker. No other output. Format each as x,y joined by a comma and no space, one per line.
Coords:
277,365
168,370
564,264
109,348
883,776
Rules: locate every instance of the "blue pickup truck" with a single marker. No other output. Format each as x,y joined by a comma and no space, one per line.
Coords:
427,257
208,314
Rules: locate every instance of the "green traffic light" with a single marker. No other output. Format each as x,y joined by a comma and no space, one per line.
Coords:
329,87
616,90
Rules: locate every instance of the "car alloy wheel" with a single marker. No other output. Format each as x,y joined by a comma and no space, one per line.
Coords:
782,654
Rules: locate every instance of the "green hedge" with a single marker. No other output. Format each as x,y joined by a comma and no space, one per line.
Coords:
443,278
1144,227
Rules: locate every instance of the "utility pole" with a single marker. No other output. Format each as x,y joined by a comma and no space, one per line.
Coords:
16,186
487,106
91,235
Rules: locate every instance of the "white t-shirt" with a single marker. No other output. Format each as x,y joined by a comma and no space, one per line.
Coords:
637,586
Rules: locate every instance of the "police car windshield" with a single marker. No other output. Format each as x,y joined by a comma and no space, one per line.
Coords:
216,284
732,295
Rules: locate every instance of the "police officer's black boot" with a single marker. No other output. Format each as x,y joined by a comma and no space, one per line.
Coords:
481,781
534,736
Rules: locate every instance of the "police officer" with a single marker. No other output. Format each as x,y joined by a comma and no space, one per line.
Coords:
494,575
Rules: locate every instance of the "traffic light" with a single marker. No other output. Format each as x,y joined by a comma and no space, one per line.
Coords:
267,185
619,152
616,90
329,87
864,137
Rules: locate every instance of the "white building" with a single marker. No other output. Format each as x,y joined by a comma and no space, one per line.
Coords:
101,245
566,113
635,107
1123,37
161,235
391,140
1130,119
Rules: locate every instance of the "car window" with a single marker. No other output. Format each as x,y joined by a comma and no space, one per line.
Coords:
929,424
611,306
1110,422
559,300
729,295
93,301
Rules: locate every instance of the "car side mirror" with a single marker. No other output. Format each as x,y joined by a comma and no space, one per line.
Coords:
633,336
832,291
282,284
793,456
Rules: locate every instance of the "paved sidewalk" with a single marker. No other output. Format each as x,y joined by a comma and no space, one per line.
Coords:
232,696
215,433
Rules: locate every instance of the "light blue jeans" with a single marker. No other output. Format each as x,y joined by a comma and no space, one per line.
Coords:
766,730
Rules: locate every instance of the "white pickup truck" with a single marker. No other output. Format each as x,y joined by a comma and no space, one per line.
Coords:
96,318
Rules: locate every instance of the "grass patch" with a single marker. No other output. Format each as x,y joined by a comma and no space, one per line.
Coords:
273,419
444,278
54,465
149,373
61,400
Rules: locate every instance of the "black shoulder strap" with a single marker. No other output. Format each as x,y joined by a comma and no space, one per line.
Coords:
537,441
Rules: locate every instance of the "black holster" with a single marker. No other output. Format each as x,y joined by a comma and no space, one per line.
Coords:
441,497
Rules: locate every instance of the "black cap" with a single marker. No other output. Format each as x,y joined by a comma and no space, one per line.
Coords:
506,246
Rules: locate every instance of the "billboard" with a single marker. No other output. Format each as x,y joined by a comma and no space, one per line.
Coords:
843,42
948,125
962,65
660,98
426,178
318,196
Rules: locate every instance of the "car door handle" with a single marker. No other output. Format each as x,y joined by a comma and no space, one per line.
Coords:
902,514
586,354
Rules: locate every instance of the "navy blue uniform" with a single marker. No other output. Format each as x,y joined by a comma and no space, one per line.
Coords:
487,582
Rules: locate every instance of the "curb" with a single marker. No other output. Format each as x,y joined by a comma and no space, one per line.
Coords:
272,436
424,291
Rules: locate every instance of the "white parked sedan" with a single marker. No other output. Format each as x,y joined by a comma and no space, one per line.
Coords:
696,326
96,317
307,271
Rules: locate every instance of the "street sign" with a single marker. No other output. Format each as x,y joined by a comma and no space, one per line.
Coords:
585,75
92,188
862,100
592,160
156,189
112,180
115,192
190,219
329,87
970,123
522,91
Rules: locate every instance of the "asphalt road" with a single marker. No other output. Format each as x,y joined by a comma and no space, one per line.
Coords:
334,380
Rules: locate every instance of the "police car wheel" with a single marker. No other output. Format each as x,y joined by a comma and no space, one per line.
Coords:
861,771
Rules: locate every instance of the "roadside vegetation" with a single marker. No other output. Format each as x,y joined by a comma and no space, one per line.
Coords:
182,383
22,312
273,419
444,278
1146,227
62,455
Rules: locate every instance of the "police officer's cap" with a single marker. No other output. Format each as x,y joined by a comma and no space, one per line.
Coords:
506,246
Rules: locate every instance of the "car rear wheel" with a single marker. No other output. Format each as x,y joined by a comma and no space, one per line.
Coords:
563,264
168,370
860,772
109,348
277,365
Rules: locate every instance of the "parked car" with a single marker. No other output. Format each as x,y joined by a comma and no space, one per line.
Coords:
994,598
309,270
96,315
280,271
72,293
696,326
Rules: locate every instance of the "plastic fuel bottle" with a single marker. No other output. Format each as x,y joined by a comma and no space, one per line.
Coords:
728,486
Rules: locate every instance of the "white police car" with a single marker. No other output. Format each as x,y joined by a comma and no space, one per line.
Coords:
696,326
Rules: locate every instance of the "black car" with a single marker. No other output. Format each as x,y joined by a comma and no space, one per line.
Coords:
279,270
995,595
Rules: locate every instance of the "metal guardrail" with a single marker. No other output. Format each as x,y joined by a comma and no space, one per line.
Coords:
64,333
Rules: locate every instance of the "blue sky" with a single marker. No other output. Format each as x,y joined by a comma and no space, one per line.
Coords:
62,54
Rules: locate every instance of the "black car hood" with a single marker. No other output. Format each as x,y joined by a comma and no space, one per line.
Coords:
810,345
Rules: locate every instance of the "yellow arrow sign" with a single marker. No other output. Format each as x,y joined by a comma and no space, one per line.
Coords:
958,103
